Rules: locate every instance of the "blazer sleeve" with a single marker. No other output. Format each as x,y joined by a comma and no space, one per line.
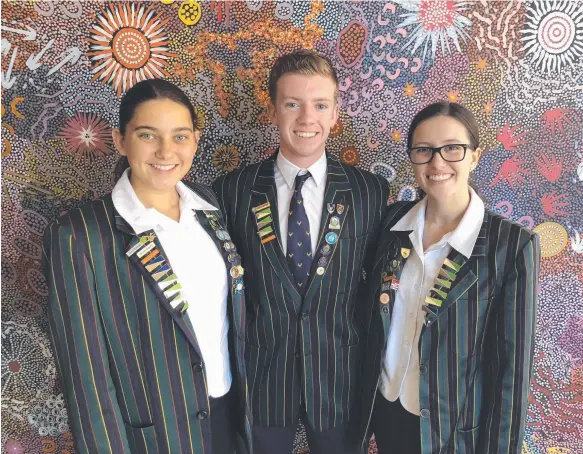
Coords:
79,343
511,357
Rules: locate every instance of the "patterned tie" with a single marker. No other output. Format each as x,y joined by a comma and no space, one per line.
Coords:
299,242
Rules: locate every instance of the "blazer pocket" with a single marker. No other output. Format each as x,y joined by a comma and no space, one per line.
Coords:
141,438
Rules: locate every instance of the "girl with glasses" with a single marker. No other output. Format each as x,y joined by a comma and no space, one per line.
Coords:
452,292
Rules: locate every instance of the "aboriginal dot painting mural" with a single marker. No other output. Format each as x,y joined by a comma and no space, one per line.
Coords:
518,65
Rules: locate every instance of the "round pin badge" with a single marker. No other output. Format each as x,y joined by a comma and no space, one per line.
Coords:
228,246
326,250
232,257
221,235
320,270
235,272
331,238
334,222
323,261
385,298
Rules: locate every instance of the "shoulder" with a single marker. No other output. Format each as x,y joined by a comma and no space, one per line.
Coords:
362,177
395,212
84,220
504,233
241,174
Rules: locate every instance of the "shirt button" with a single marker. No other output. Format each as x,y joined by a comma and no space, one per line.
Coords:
197,367
410,314
305,315
425,413
202,414
423,369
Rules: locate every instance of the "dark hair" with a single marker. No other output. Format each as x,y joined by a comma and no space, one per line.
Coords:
453,110
303,61
144,91
447,109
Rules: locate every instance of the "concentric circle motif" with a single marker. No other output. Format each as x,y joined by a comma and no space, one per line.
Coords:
553,238
284,10
350,156
190,12
556,32
407,193
131,48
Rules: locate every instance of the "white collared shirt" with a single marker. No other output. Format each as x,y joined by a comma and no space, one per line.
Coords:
400,367
312,192
199,267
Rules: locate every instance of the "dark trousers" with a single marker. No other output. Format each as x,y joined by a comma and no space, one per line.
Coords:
396,430
276,440
222,426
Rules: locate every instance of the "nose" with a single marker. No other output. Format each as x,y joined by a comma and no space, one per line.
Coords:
438,161
307,115
165,150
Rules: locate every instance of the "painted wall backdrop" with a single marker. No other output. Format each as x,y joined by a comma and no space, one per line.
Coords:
518,65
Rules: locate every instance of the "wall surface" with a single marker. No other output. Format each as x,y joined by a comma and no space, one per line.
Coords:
517,65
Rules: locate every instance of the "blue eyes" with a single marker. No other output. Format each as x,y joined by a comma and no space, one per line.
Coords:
294,105
150,136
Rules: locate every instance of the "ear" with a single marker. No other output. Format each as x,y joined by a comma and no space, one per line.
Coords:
271,113
476,154
197,135
118,141
335,113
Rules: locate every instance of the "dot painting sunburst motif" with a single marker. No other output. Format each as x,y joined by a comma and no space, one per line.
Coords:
128,45
553,33
435,22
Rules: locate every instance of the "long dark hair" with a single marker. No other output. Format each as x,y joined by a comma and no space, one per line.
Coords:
144,91
453,110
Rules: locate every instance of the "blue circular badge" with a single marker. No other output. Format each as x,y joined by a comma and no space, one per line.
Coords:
331,238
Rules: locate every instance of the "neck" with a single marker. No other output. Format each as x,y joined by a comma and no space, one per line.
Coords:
166,202
442,212
303,162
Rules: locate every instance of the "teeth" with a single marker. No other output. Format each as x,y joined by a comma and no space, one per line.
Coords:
305,134
439,177
165,168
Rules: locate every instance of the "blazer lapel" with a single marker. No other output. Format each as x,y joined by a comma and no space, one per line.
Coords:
390,266
212,223
459,281
337,205
264,192
146,254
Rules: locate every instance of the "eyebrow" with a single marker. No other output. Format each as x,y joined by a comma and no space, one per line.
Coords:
315,100
446,142
138,128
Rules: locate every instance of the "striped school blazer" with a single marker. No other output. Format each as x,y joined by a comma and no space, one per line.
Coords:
129,363
475,349
303,347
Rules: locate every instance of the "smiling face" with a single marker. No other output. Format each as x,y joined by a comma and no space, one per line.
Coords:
438,178
160,143
304,110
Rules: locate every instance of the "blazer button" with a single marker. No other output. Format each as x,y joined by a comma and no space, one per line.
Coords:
197,367
305,315
423,369
424,413
202,414
385,310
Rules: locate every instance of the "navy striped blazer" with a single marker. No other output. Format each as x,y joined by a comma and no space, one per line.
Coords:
475,350
303,347
130,364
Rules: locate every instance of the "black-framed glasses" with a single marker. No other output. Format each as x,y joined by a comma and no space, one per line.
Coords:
453,152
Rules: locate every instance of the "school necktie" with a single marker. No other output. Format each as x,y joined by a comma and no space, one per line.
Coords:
299,242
